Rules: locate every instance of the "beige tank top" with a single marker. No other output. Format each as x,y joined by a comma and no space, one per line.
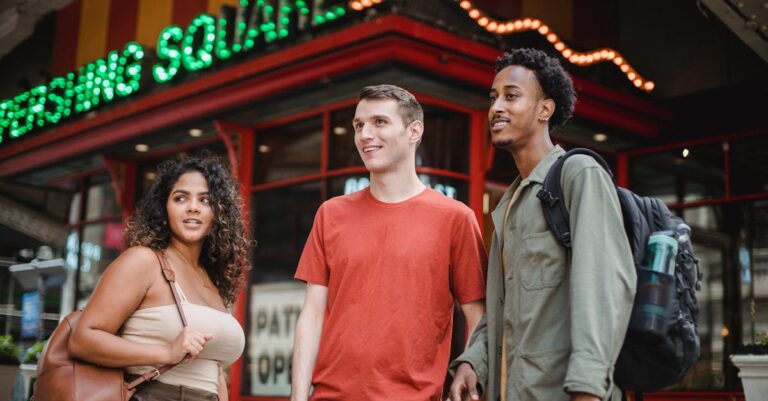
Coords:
161,325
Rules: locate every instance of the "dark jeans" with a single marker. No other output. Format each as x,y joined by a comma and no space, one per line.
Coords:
157,391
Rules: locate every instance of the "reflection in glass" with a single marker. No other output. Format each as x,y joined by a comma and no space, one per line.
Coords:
708,371
503,168
74,209
680,175
341,150
445,144
100,245
288,151
452,188
282,220
101,200
749,171
70,264
711,247
753,257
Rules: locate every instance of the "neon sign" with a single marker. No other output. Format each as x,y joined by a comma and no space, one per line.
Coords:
100,82
208,40
247,28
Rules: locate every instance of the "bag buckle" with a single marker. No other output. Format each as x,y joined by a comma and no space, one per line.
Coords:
547,197
154,375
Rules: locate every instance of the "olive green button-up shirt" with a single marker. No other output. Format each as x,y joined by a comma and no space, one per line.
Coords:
564,323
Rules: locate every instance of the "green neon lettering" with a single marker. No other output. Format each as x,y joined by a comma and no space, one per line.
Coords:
252,24
202,30
303,18
18,116
268,26
84,89
323,15
100,83
129,70
59,103
6,107
225,43
36,107
168,49
253,19
105,76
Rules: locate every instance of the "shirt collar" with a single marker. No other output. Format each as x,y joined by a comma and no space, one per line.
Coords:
542,168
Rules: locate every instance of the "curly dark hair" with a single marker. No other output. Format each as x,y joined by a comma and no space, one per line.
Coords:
555,83
225,251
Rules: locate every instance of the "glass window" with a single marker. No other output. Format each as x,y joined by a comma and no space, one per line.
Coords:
753,259
347,184
283,218
450,187
101,244
749,172
503,168
680,175
445,144
341,149
71,263
101,201
74,210
711,248
288,151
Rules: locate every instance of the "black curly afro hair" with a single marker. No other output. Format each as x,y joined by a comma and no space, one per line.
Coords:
555,83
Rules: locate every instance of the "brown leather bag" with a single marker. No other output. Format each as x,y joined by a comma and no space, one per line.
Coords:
61,377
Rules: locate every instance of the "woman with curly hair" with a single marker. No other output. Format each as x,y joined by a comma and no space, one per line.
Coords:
192,215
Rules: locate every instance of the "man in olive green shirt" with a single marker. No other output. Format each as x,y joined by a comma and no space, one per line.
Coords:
556,325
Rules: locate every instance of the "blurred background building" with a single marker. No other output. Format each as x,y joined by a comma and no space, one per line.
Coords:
95,93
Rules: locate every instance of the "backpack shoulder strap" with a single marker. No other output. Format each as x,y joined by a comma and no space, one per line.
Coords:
551,195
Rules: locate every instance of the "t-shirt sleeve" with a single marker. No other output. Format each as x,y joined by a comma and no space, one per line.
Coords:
312,265
468,261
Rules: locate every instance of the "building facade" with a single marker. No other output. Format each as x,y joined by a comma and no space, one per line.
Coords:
272,85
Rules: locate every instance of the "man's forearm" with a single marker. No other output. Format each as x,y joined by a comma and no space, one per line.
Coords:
305,350
473,312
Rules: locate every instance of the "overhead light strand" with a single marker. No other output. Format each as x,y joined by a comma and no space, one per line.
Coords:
582,59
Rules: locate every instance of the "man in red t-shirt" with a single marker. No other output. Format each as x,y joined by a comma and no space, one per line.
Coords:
383,267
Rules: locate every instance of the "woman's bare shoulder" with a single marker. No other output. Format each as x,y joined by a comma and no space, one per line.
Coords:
136,260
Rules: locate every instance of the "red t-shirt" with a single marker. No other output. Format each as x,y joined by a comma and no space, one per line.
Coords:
392,272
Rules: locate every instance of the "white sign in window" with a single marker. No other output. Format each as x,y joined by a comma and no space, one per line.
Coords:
274,310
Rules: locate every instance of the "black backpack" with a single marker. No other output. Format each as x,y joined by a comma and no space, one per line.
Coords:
643,365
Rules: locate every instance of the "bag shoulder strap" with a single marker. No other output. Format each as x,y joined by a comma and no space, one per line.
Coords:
551,195
170,278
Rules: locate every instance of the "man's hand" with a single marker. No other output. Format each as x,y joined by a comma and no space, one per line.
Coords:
464,386
584,397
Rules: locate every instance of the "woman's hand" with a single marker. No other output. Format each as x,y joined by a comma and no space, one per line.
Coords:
188,344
